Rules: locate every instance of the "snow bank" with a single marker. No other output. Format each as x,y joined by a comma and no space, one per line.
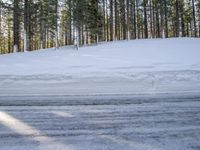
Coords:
122,67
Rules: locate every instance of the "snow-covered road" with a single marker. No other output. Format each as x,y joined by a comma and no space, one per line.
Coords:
103,122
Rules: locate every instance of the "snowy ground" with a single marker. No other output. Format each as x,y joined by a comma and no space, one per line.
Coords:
123,67
125,95
117,122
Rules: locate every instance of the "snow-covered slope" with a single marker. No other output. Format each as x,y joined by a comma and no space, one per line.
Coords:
123,67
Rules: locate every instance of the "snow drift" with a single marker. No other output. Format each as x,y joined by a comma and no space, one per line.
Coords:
120,67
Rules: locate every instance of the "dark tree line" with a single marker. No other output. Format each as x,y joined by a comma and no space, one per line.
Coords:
27,25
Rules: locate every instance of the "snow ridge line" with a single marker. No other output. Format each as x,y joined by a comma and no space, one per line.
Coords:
180,74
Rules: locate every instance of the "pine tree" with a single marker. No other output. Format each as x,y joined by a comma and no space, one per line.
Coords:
84,22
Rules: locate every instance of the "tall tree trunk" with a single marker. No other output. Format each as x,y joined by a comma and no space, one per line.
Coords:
137,19
134,20
70,22
177,27
0,27
9,39
104,20
16,26
182,19
157,21
123,18
111,20
166,19
199,29
154,19
128,18
26,24
56,25
151,18
145,19
107,22
194,19
162,14
30,27
116,21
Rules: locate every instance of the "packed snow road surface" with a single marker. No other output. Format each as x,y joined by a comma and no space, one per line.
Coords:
103,122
